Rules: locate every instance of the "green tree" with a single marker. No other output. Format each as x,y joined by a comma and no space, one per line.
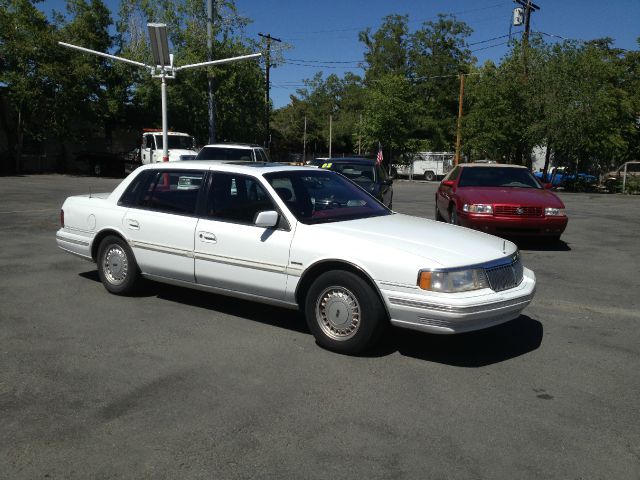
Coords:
239,87
26,45
437,53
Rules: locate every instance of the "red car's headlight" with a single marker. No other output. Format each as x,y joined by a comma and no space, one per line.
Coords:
554,212
478,208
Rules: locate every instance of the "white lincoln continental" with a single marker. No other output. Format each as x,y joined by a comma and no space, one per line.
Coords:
300,238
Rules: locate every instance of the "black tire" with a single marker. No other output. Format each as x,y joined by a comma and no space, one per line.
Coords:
453,216
359,316
117,267
439,217
429,176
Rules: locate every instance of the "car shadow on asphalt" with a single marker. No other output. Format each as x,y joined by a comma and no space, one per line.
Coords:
472,350
541,245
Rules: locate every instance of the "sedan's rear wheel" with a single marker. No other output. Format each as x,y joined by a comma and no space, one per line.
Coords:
344,313
117,267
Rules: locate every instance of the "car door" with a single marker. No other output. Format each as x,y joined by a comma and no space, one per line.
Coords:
161,223
231,252
446,192
386,189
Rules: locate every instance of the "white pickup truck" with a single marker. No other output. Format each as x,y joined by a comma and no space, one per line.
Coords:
181,147
427,165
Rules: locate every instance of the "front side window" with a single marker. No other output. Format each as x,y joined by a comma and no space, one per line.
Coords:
171,191
453,174
236,198
320,196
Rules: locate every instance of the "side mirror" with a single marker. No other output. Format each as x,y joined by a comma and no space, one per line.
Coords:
547,186
267,219
448,183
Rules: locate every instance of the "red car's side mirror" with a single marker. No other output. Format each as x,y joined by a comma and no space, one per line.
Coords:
547,186
448,183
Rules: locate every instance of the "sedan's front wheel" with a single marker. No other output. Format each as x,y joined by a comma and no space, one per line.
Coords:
117,267
344,313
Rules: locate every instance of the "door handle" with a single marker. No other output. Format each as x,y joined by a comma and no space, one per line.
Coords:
208,237
133,224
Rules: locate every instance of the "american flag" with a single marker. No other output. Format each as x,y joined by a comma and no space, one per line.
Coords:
379,158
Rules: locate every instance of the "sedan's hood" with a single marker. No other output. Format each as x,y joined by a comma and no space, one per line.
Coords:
532,197
441,243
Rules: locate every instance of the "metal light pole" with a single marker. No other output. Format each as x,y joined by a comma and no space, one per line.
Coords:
163,68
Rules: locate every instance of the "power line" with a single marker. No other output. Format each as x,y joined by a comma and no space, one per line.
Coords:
350,29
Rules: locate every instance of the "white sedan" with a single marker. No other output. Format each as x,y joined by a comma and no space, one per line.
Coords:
300,238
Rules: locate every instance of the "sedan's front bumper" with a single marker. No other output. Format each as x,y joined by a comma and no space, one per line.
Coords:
461,312
515,226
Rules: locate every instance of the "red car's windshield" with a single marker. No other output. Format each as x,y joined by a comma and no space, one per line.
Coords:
497,177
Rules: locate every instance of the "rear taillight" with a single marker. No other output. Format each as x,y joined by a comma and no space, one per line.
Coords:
62,218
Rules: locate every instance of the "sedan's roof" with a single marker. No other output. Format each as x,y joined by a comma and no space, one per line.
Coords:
490,165
352,160
223,166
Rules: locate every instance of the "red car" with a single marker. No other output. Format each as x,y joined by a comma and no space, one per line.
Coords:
504,200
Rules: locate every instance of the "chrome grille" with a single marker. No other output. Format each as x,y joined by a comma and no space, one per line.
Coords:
505,277
513,211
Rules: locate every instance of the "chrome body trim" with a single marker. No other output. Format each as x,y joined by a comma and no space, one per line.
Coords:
154,247
84,243
240,262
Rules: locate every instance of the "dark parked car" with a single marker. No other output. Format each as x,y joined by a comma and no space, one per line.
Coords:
367,174
504,200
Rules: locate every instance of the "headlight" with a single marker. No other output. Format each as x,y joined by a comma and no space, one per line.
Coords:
454,280
554,212
478,208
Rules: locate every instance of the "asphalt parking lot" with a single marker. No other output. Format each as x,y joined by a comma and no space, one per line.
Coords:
174,383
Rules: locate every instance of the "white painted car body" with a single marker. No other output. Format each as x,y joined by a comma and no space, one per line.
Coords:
268,264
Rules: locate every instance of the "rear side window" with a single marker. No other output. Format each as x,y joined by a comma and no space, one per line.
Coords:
131,194
171,191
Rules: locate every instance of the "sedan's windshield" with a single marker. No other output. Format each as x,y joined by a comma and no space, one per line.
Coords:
497,177
318,196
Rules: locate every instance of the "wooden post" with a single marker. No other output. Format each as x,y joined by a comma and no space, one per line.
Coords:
458,129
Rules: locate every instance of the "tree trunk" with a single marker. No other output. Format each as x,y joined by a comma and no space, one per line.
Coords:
547,158
4,126
19,140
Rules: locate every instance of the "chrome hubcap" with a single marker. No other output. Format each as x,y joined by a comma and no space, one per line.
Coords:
115,265
338,313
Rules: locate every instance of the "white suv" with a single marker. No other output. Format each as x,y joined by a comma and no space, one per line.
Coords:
233,152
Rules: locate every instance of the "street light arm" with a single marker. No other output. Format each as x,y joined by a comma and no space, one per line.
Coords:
219,62
106,55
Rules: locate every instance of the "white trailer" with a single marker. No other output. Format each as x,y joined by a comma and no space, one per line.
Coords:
427,165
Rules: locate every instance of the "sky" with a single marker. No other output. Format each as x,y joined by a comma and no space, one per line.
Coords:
324,36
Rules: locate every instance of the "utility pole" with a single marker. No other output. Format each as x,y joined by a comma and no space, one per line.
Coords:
330,127
304,141
211,8
267,101
359,134
458,128
529,7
